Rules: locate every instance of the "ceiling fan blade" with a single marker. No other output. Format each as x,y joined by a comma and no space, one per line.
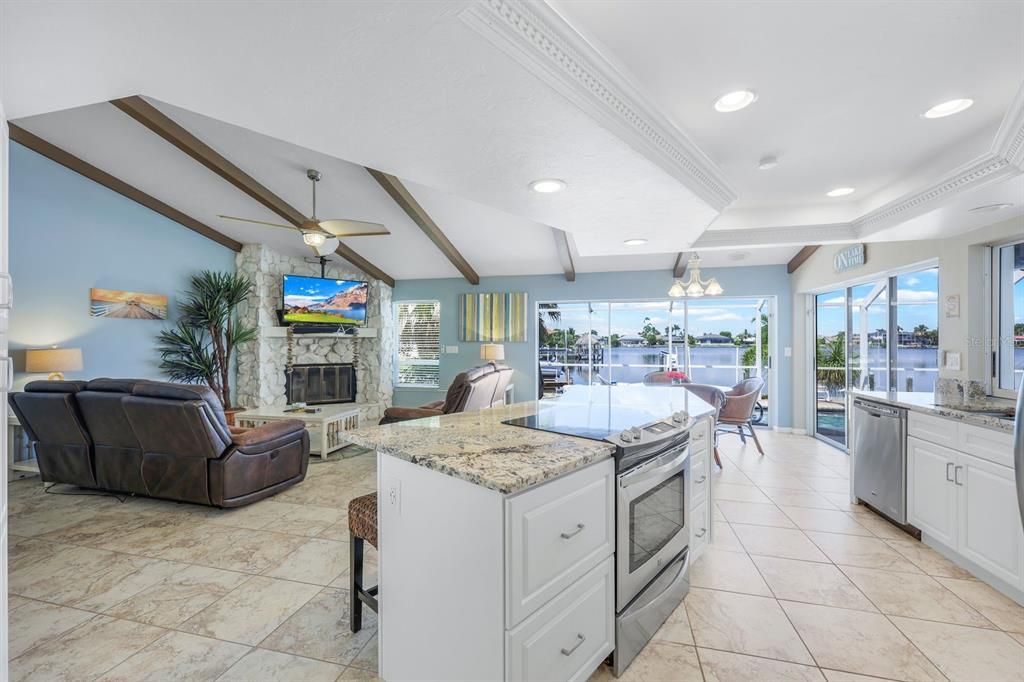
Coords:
257,222
352,228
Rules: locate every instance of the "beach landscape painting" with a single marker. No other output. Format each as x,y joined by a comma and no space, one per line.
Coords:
131,305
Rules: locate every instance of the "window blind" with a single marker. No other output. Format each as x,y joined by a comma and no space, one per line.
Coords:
419,344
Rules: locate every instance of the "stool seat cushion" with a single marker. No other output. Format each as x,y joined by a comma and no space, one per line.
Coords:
362,518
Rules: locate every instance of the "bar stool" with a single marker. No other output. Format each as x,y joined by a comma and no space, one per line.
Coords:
362,526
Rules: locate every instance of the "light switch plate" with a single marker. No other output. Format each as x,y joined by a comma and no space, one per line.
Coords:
451,349
788,352
952,360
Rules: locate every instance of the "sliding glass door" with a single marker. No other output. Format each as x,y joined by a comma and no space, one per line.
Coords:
830,376
877,336
714,341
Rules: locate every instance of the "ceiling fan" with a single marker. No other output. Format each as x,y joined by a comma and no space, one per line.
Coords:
316,232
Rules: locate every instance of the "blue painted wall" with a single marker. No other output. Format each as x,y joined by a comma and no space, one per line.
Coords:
766,280
69,234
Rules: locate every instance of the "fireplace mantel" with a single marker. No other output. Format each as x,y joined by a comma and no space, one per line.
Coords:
282,332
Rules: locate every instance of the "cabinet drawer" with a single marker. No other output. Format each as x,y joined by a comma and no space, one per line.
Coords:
995,446
568,638
700,437
700,530
932,429
555,534
699,483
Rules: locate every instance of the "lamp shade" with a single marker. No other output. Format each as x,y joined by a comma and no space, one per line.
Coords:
53,360
492,351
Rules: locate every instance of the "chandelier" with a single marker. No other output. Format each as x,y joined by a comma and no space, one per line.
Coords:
694,286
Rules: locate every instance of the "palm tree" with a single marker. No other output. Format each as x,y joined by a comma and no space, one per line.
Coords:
553,314
200,347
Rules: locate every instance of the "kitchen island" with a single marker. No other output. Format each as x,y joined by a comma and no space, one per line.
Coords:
497,542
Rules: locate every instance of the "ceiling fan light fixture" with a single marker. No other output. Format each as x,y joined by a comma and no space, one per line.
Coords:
313,239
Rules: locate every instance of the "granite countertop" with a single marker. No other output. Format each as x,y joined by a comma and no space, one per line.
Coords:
925,402
477,447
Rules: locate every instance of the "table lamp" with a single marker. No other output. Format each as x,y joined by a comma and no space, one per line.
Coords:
492,351
56,361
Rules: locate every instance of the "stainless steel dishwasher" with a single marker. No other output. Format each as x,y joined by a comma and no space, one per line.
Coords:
880,457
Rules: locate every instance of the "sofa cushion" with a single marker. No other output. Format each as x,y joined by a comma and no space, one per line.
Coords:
46,386
113,385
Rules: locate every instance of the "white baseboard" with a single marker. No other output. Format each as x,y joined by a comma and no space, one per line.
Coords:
788,429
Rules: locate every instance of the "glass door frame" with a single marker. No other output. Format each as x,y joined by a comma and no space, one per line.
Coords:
887,282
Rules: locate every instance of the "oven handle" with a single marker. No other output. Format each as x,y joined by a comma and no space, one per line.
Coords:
663,467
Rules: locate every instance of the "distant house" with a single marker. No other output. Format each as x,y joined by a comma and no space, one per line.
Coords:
630,341
714,339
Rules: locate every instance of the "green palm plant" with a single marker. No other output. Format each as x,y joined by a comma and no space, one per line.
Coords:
200,347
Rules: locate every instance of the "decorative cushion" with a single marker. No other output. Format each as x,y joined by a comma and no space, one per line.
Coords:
362,518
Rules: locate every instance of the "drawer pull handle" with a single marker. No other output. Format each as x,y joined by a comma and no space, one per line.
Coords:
956,475
569,536
949,476
579,640
702,479
701,532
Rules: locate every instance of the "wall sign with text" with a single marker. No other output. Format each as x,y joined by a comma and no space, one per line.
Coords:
849,257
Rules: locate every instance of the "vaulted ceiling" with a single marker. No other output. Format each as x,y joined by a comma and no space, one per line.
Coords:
467,102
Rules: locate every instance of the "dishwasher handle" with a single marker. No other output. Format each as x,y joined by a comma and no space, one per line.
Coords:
876,410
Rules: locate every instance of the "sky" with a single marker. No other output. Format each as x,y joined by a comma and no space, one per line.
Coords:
627,319
916,293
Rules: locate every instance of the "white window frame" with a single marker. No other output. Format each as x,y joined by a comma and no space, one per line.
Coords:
395,376
997,358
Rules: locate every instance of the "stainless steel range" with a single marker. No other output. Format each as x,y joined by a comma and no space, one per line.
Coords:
651,441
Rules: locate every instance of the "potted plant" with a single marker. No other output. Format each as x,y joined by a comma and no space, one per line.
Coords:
200,348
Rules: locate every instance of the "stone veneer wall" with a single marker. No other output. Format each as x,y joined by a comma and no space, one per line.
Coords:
261,364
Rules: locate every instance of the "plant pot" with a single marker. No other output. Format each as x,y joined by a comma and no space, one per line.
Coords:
230,412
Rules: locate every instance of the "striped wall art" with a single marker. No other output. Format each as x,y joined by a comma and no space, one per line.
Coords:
492,318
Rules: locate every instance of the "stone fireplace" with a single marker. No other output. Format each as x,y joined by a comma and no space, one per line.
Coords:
261,364
321,382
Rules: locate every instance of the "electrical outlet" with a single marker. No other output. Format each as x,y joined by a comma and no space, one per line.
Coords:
393,491
787,351
451,350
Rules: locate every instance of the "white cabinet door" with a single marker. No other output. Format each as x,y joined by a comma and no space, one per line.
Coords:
990,530
931,493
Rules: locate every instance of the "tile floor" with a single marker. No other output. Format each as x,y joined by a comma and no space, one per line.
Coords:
797,585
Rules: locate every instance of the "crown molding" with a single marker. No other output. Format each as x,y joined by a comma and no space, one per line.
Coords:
1009,140
981,171
543,42
796,235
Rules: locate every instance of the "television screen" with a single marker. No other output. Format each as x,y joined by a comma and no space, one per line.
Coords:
312,300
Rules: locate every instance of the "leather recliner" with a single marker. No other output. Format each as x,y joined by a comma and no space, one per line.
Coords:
504,373
470,390
157,439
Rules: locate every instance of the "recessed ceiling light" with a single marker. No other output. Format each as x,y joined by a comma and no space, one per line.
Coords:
767,162
635,242
734,101
840,192
953,106
547,185
989,208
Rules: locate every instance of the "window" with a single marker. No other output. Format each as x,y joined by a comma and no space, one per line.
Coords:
418,344
1008,318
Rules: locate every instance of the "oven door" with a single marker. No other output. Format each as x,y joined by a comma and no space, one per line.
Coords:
651,520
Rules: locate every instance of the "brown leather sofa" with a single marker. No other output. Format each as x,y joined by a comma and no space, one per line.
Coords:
157,439
474,389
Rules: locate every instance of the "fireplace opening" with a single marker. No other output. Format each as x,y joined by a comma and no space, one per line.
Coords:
319,384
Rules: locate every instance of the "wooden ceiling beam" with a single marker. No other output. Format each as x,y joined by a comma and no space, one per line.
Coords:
407,202
159,123
564,253
801,256
68,160
679,269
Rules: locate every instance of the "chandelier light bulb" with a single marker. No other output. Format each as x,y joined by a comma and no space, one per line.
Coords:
314,238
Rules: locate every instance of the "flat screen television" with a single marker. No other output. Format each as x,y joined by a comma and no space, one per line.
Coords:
315,300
